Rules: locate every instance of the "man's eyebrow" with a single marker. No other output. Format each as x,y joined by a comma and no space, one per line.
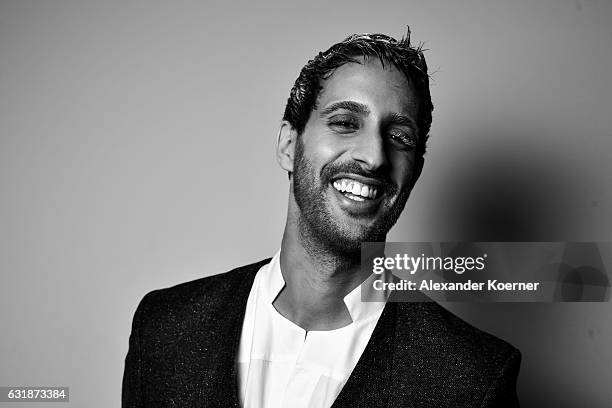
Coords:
354,107
399,119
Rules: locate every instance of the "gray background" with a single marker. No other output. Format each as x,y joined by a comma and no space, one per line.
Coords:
137,152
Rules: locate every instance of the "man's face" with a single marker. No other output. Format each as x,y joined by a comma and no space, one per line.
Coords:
355,163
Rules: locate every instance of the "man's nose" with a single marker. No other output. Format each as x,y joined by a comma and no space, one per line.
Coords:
369,149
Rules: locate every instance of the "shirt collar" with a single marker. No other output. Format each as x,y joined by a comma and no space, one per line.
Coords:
362,302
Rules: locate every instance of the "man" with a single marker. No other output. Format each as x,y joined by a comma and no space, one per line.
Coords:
292,331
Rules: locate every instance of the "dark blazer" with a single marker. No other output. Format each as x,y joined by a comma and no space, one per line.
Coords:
184,342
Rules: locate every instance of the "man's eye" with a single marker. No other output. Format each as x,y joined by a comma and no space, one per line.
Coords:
402,138
343,124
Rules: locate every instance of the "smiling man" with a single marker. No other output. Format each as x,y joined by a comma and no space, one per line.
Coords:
292,331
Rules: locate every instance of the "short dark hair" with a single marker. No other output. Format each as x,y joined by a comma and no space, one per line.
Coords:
406,58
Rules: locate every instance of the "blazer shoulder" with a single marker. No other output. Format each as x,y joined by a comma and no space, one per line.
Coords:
451,360
207,294
440,332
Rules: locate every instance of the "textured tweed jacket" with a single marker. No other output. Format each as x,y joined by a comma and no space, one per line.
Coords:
184,342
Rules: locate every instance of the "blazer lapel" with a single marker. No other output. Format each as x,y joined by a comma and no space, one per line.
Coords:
370,382
223,390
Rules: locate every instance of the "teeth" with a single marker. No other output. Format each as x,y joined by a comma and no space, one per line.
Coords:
355,189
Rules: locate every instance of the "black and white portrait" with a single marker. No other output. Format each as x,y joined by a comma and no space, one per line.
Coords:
149,148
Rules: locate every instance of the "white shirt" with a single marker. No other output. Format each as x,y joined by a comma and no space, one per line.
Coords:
282,365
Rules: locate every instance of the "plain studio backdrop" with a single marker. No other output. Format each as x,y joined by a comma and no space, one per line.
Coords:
137,152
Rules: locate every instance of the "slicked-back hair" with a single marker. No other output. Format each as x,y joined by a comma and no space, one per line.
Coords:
354,49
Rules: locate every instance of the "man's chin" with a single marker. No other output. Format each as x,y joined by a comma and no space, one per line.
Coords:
360,227
340,235
350,241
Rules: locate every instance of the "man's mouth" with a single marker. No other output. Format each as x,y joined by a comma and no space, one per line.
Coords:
355,190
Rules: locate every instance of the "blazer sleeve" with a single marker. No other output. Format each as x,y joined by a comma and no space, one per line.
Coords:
131,393
502,392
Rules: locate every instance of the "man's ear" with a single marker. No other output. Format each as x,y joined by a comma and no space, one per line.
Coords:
285,146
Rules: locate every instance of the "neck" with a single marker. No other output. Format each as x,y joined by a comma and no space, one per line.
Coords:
317,278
